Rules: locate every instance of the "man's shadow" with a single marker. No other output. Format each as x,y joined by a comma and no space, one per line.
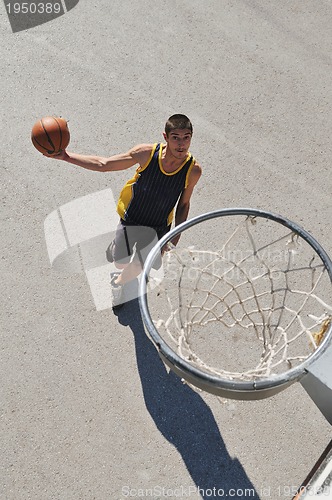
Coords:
184,419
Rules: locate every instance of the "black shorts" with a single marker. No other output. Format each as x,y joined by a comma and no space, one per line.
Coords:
130,238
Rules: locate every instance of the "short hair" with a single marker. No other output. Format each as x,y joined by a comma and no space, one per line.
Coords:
178,122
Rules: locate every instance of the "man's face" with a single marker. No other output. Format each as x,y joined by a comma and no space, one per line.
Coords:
178,142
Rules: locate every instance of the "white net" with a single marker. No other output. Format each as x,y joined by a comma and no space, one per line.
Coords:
255,306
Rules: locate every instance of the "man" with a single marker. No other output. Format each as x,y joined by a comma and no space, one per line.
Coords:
163,183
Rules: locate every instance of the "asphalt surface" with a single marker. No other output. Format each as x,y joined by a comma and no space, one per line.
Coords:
87,410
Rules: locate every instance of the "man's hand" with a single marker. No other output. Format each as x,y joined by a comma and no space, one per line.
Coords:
61,155
167,248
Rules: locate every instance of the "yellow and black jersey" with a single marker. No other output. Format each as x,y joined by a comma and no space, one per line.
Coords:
149,198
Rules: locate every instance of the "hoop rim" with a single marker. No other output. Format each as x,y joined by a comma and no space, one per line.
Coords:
217,384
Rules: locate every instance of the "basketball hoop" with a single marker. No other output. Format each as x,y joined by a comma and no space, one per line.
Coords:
244,306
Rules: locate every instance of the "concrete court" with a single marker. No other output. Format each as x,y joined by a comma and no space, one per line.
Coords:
87,410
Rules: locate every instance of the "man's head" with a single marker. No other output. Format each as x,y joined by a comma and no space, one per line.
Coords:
180,122
178,133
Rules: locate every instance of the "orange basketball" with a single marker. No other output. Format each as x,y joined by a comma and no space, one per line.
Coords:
50,135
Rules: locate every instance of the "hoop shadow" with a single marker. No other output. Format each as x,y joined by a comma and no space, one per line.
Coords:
184,419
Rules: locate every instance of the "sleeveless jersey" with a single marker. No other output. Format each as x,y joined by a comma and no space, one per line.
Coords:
149,198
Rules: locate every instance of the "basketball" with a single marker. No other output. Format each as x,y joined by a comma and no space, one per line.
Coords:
50,135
